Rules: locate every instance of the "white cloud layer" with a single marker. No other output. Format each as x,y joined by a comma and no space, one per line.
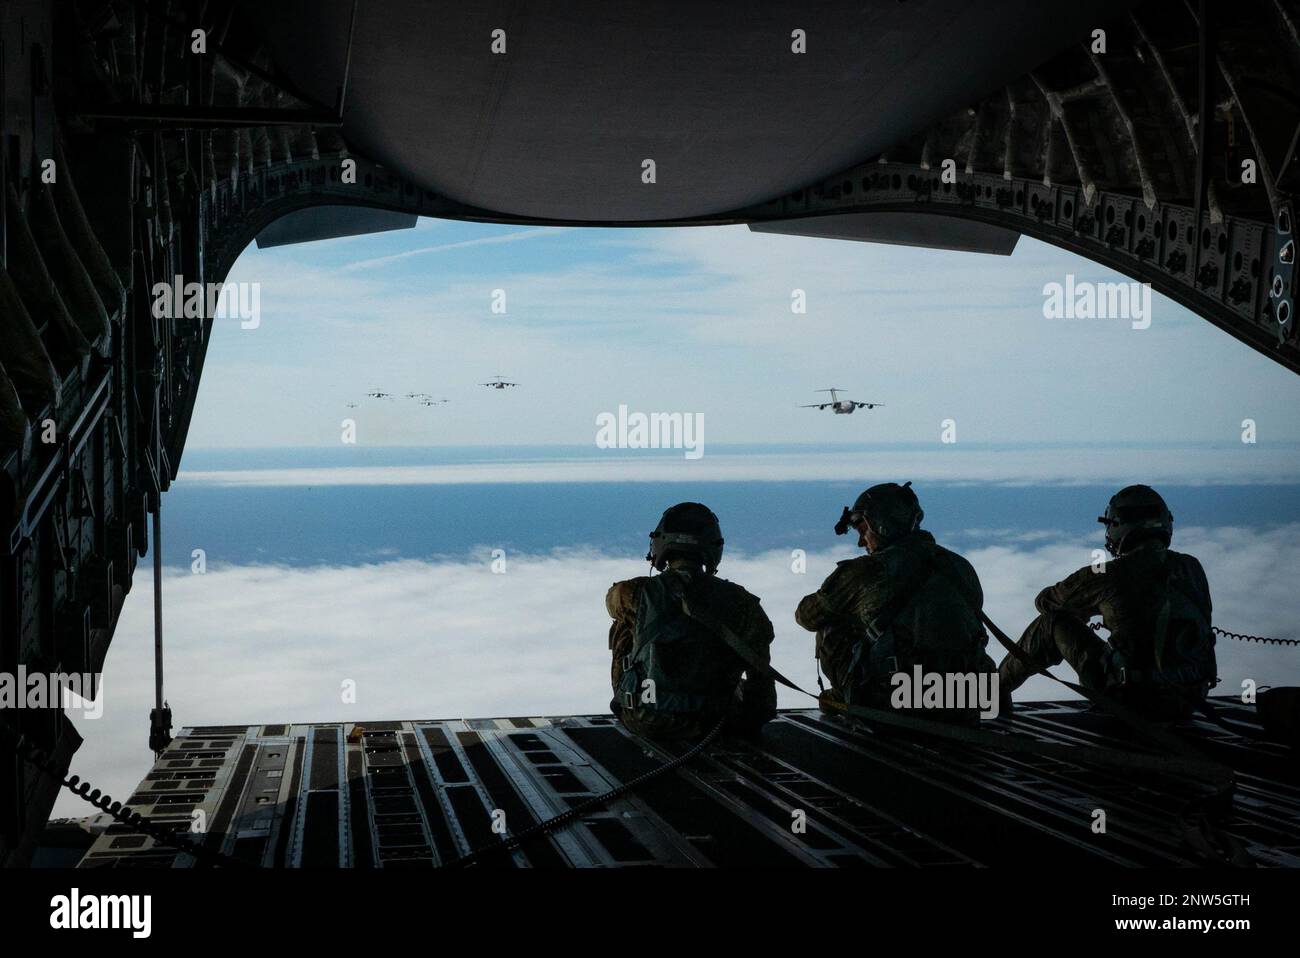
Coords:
1079,465
255,644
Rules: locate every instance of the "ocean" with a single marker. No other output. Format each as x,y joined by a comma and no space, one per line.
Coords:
337,522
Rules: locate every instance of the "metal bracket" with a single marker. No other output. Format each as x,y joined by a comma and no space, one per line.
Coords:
160,728
1282,291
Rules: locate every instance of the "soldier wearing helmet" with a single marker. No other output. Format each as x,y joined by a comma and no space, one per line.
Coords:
908,602
1154,602
674,676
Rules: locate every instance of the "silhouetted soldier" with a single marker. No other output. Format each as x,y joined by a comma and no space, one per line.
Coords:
908,602
675,675
1155,603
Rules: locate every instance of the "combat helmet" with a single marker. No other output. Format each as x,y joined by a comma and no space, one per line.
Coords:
688,528
891,510
1136,514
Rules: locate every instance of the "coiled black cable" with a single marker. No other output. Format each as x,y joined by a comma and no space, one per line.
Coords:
122,813
582,808
1253,638
1224,633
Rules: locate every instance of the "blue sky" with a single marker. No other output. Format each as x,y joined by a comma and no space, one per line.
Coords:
699,320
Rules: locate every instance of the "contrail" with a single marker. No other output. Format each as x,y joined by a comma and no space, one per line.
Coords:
481,241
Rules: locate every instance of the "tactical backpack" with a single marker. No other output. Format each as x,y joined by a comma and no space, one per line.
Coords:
878,654
882,652
1182,645
676,664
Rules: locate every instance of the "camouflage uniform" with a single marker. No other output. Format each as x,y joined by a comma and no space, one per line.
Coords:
704,662
1129,595
938,627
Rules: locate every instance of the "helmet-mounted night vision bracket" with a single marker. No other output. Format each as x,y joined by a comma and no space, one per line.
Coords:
847,520
886,502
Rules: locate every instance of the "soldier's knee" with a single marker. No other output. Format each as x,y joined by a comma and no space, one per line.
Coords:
1052,621
1070,632
1040,634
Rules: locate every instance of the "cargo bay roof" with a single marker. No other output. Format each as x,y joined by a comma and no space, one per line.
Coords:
558,125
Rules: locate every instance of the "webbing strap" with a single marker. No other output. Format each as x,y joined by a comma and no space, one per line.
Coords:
1196,827
883,619
1090,754
738,645
1186,761
1210,770
900,600
1212,714
1162,634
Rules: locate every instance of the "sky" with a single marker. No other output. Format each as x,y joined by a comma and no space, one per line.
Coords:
699,320
322,573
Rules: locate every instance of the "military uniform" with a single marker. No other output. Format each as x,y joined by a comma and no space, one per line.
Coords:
697,677
1156,605
936,626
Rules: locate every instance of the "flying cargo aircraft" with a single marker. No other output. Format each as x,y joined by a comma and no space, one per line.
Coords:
842,407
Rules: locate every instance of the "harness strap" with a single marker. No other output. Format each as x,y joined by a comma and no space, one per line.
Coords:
1105,703
901,599
738,645
879,625
1196,768
1187,763
1162,633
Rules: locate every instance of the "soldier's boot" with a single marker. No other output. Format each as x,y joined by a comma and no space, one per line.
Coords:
1005,705
988,667
831,701
1012,673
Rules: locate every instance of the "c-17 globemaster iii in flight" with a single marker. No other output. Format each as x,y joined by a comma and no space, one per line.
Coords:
424,399
498,383
842,407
